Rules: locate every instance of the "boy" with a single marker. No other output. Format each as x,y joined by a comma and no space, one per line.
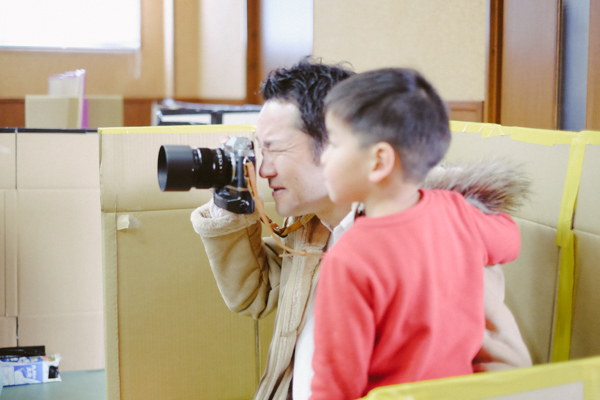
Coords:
400,296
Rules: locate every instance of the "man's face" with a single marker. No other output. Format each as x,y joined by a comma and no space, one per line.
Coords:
288,162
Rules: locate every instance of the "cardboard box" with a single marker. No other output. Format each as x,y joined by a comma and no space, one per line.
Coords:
7,159
546,166
104,110
8,265
57,112
168,331
30,370
160,293
50,237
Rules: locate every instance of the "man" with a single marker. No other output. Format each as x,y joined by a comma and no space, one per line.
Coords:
254,280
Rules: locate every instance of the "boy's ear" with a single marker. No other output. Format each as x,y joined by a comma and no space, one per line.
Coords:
383,161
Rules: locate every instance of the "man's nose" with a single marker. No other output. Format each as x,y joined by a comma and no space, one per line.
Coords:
266,169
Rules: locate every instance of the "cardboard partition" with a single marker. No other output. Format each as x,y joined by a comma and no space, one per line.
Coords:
129,159
60,274
8,236
8,331
7,160
586,324
56,264
573,380
531,298
546,166
58,161
174,338
168,331
586,221
160,292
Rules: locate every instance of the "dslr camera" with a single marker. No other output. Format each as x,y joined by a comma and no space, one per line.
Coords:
181,168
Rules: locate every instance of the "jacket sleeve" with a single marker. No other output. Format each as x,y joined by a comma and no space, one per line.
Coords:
246,268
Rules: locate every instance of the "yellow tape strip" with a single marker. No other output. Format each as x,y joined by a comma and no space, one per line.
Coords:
179,129
508,383
530,135
565,239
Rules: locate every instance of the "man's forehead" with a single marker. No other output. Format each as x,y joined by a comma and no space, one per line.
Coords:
279,122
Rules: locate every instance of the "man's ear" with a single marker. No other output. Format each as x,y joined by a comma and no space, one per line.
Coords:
383,161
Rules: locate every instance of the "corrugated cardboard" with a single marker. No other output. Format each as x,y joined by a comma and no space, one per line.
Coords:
586,324
58,161
58,246
7,161
168,331
8,330
55,112
159,287
10,252
546,166
104,111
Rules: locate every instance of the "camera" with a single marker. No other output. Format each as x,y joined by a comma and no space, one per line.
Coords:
181,168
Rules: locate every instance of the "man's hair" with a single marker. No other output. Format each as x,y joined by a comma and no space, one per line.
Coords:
397,106
305,85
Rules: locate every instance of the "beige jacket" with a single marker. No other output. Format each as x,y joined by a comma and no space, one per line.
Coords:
254,280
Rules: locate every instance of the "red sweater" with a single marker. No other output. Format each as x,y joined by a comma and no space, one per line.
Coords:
400,298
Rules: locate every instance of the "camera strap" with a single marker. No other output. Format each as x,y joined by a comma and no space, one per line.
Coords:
274,229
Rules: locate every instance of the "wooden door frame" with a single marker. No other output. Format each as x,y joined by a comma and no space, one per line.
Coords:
491,112
253,53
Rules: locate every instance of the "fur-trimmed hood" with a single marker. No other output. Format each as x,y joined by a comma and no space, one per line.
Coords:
492,185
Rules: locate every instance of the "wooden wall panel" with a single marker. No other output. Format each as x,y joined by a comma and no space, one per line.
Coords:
12,113
593,85
187,48
471,111
530,66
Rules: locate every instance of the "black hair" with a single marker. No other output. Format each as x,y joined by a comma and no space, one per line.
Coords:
305,85
397,106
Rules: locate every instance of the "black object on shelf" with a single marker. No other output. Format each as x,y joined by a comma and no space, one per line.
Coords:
25,351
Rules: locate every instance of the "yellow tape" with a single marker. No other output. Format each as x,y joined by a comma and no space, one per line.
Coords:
565,239
504,383
179,129
530,135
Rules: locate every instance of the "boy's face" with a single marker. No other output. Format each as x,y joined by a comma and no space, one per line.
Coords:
345,163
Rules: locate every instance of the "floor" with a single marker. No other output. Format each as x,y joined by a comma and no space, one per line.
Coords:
75,385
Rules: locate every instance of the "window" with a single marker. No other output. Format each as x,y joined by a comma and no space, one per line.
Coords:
71,24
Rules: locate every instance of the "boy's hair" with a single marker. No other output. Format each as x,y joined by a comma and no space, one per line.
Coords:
305,85
397,106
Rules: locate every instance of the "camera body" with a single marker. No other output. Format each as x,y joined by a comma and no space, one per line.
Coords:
181,168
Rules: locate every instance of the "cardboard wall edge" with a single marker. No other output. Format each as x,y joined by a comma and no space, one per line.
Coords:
501,383
10,257
2,255
178,129
111,302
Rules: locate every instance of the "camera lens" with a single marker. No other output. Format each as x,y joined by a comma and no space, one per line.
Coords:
181,168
